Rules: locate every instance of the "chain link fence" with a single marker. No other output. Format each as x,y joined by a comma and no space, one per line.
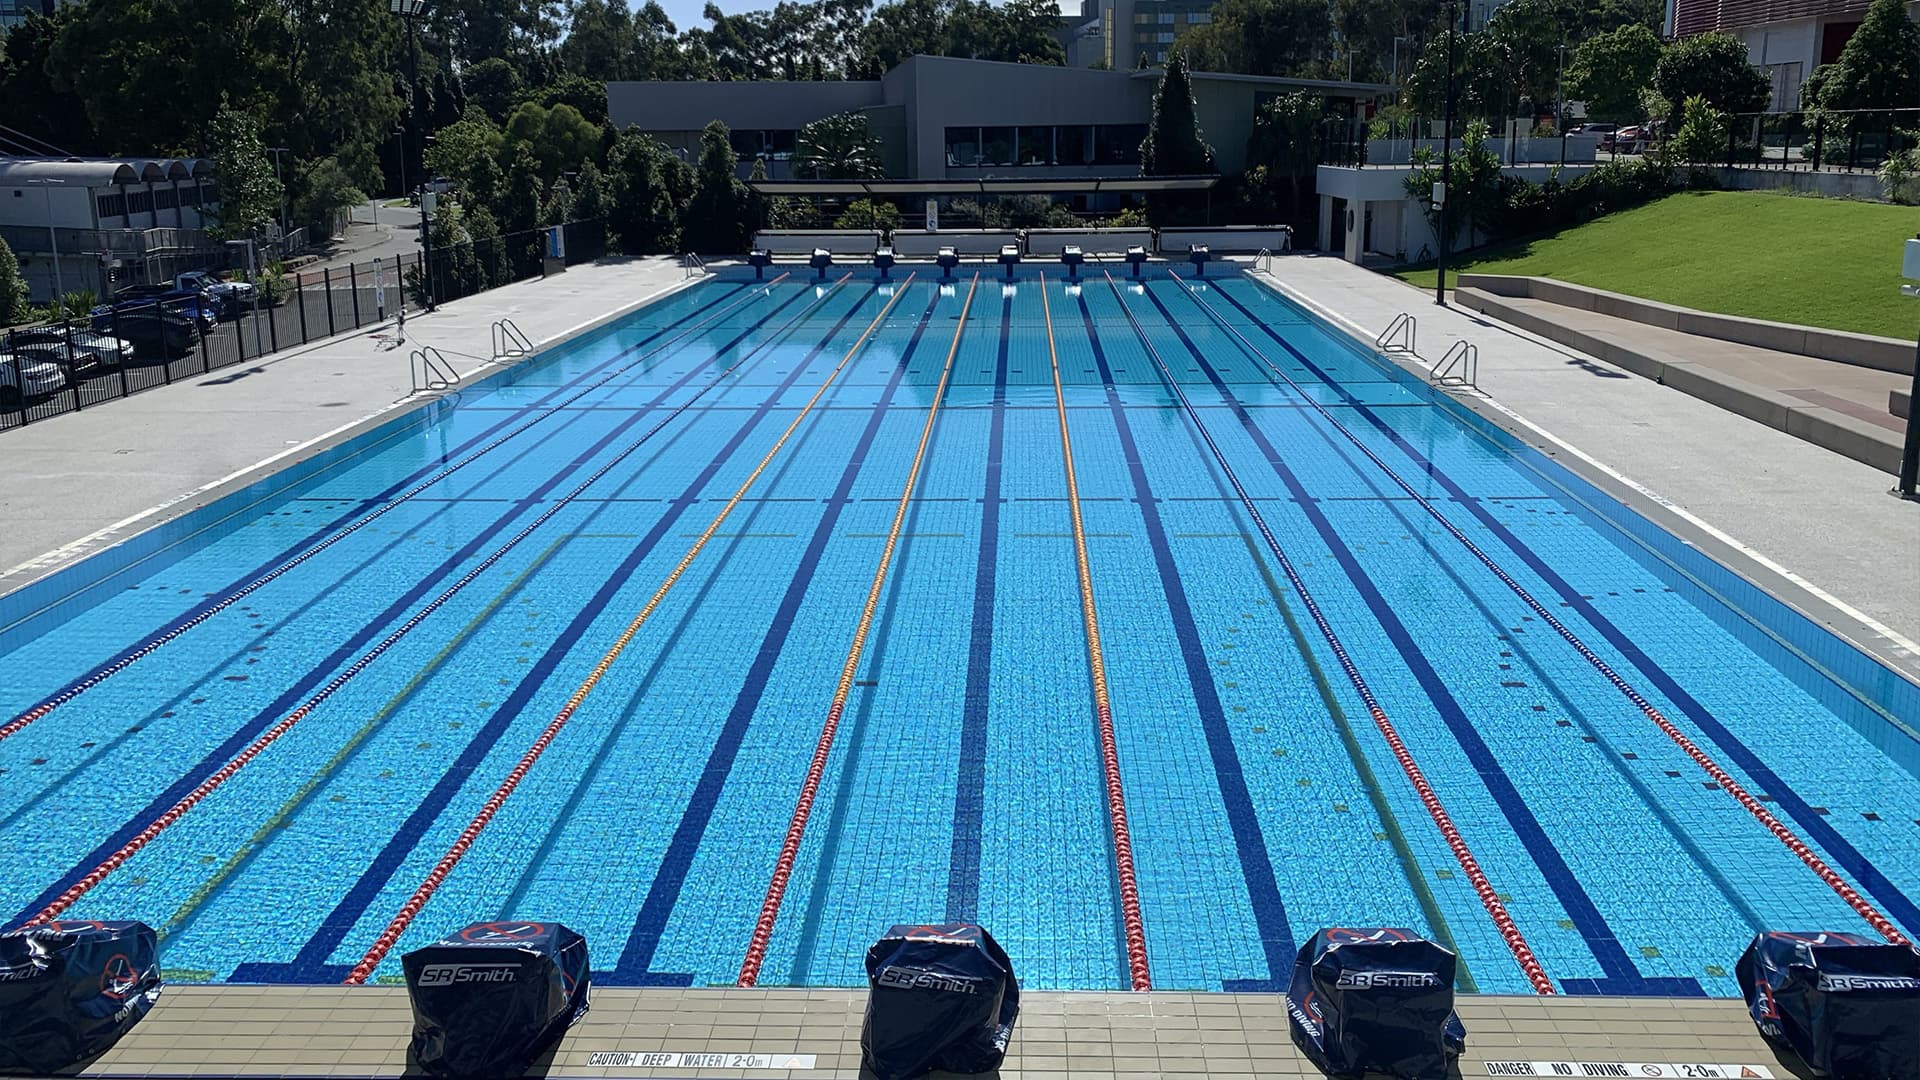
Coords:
126,347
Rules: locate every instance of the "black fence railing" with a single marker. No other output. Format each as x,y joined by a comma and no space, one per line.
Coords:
126,347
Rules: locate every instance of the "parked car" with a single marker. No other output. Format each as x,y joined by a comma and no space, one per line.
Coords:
1631,139
22,379
1603,132
76,347
151,329
192,303
233,297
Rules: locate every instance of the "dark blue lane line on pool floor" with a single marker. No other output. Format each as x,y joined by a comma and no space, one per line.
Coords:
969,791
1256,864
358,509
310,965
1622,976
1864,873
634,968
286,701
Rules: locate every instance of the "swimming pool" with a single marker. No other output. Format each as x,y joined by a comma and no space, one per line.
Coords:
1360,661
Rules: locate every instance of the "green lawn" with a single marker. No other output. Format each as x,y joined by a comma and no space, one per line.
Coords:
1796,259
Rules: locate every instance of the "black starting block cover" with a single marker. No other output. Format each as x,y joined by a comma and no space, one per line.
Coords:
69,990
1375,1000
1849,1005
940,997
489,999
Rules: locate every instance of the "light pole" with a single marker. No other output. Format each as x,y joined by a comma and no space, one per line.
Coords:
1560,105
53,245
1910,448
1446,166
276,151
410,11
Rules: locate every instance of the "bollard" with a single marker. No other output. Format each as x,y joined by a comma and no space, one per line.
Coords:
1375,1000
939,997
70,990
1847,1004
489,999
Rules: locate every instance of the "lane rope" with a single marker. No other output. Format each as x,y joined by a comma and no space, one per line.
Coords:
391,935
1489,897
1800,848
253,750
816,769
155,642
1131,922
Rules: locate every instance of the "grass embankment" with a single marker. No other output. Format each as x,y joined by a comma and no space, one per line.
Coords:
1796,259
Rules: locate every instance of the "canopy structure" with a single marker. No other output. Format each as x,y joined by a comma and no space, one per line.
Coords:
987,185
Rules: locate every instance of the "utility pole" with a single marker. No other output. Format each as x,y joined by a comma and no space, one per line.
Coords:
1446,168
53,244
276,151
409,11
1560,105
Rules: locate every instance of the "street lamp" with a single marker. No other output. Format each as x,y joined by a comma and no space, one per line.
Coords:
1446,162
276,151
1560,105
53,243
409,12
1910,448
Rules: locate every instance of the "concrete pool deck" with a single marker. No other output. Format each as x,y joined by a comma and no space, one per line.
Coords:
1808,524
241,1031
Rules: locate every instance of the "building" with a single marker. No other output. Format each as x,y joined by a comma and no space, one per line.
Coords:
946,118
14,12
1787,39
1120,34
113,222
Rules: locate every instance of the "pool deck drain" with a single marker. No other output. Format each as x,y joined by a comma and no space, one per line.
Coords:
288,1031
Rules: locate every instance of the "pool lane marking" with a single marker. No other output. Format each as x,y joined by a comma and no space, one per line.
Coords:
1131,922
809,789
279,819
1462,853
1269,910
207,610
310,965
969,797
1883,925
389,936
206,787
1369,781
663,892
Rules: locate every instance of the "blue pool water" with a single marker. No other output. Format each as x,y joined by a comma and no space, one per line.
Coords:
966,778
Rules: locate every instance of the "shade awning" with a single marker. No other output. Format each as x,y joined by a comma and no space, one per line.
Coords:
988,185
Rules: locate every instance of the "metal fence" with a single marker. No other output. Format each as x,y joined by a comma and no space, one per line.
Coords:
123,349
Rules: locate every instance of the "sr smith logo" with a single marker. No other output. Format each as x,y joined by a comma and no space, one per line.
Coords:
453,974
1868,982
909,979
1382,980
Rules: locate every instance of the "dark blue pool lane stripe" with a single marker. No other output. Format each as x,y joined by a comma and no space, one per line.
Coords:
969,793
1621,975
634,968
310,964
1864,873
350,648
1256,863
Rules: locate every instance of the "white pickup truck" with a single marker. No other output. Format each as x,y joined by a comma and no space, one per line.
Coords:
231,296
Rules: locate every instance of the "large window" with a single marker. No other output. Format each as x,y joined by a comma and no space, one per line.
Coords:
1036,146
111,205
963,146
1199,18
996,146
1073,144
750,143
1118,144
140,202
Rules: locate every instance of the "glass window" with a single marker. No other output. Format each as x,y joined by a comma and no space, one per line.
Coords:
1164,37
963,146
1199,18
139,202
1142,17
111,205
1073,144
780,144
996,146
1166,18
164,198
1118,144
1036,146
746,144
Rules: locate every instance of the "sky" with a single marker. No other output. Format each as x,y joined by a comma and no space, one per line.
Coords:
686,13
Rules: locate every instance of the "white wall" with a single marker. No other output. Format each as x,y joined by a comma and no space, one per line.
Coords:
27,205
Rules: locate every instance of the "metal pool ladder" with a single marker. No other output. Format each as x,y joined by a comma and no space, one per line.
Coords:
1399,334
430,370
508,340
1459,368
694,264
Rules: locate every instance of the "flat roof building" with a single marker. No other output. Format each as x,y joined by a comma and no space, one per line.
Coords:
943,117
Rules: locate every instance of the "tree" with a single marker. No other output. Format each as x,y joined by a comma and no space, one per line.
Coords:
13,288
1018,31
40,104
590,209
1713,66
758,210
1174,145
484,186
1702,137
560,138
1478,84
599,37
1880,66
840,147
587,96
520,204
558,208
1522,42
641,211
325,191
492,84
1259,37
1610,69
1282,144
456,150
868,214
1474,189
716,218
249,194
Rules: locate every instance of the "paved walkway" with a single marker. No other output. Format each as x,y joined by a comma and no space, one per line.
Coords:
78,482
363,1032
1821,520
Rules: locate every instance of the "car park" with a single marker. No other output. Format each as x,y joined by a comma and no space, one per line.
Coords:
74,347
24,379
191,303
232,297
152,329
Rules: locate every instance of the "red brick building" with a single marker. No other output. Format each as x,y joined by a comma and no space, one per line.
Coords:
1785,38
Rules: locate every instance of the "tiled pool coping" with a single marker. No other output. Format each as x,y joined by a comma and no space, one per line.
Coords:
258,1031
